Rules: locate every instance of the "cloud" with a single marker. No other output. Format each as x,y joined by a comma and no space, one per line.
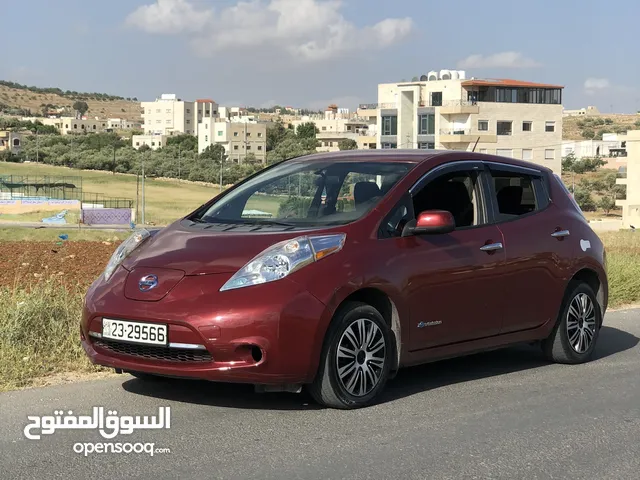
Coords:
498,60
596,83
308,30
169,17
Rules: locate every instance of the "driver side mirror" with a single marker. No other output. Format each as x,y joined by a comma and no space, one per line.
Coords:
430,222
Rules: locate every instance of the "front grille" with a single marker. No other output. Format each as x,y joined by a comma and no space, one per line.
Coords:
150,352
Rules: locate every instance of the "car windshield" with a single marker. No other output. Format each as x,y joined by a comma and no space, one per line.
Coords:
307,193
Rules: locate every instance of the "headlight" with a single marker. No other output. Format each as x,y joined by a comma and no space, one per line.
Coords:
284,258
124,250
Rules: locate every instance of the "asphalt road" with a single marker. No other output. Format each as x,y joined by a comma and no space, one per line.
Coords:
505,414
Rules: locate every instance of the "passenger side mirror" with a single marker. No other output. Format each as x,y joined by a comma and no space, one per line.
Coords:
430,222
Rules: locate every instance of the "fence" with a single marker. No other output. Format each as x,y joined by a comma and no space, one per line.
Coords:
16,187
106,216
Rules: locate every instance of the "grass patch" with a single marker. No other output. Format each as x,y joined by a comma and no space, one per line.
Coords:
623,267
39,334
45,234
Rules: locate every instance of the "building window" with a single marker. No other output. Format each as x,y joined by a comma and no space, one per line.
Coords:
158,121
527,154
504,128
483,125
248,147
259,134
426,145
526,126
207,112
549,126
153,144
235,147
206,138
235,134
390,125
248,134
427,125
16,142
94,127
188,110
66,125
504,152
483,150
168,110
82,126
220,133
436,99
168,122
549,154
75,126
159,144
389,145
206,125
137,144
324,129
259,147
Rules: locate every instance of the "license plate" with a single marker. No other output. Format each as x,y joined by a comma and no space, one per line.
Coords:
136,332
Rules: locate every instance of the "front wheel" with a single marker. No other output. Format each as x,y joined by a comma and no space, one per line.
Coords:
356,358
574,337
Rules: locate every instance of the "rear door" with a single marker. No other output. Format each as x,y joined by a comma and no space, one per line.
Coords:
537,245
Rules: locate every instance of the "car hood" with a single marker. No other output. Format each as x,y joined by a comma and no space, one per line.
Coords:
200,251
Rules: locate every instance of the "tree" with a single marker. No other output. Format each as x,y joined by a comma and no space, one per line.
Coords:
588,133
347,144
307,130
275,134
214,152
184,141
607,204
584,199
80,107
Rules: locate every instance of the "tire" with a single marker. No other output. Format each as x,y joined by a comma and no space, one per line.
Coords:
564,345
364,375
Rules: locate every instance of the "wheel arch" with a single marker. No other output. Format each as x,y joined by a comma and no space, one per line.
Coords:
592,278
387,308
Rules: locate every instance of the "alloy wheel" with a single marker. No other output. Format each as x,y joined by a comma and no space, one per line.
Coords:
360,357
581,323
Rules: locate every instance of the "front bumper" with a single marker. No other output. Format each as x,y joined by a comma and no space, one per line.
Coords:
266,334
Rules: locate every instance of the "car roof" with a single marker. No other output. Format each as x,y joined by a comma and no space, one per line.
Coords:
414,156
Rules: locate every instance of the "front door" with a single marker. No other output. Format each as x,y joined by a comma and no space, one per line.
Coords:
450,286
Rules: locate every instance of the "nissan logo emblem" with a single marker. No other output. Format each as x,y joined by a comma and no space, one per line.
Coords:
147,283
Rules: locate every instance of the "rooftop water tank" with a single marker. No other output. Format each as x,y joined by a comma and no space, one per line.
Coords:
445,74
432,75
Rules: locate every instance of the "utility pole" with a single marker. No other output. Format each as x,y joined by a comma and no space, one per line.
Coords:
37,146
113,171
221,160
143,220
138,196
179,157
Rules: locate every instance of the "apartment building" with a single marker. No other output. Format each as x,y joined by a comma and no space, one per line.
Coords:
444,110
168,115
333,130
239,139
631,204
122,124
73,125
10,141
154,142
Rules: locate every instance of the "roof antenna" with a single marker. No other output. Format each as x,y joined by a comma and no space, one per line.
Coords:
476,144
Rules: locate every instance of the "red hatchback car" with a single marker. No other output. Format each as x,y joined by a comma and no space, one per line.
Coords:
335,270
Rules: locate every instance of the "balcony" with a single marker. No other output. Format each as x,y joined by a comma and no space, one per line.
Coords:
455,107
375,106
466,136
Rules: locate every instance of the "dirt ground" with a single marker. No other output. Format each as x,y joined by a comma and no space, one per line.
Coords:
27,263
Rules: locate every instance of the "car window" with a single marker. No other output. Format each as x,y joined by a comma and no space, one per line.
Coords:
515,194
455,192
307,193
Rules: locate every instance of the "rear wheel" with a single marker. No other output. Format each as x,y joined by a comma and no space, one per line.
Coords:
356,358
574,337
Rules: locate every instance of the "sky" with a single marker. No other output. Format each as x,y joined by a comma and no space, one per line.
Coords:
311,53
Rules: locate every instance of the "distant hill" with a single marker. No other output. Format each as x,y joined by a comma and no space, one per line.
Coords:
587,127
17,99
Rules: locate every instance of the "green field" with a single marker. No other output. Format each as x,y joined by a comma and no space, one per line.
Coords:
166,200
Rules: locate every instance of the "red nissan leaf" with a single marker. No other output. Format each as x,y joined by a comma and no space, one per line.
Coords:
332,271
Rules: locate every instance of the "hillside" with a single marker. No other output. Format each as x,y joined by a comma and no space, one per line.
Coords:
99,105
582,128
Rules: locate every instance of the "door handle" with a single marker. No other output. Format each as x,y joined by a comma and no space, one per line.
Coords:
492,247
560,234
